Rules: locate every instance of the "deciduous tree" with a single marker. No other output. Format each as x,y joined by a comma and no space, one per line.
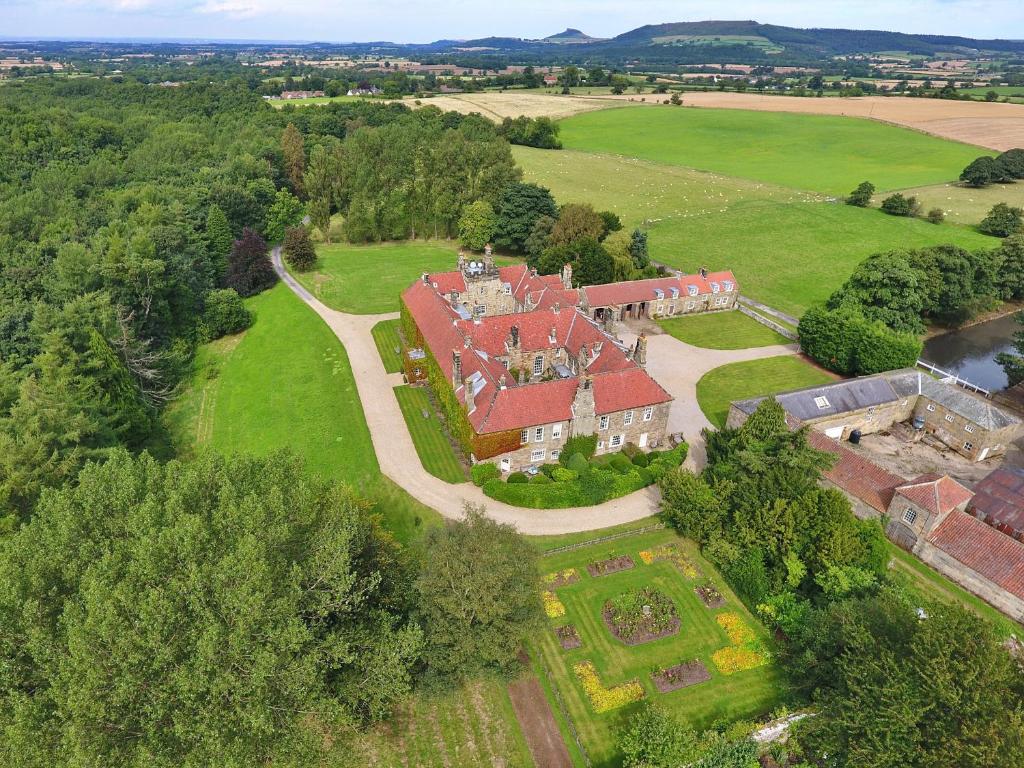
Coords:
861,196
477,224
294,151
1002,221
518,208
298,249
249,268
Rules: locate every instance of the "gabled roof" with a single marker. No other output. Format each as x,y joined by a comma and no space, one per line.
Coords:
999,499
974,408
936,494
633,291
839,397
527,406
630,388
856,475
983,549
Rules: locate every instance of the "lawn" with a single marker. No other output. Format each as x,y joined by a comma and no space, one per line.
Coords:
367,279
469,727
754,378
286,383
744,694
721,330
823,153
428,435
788,249
389,344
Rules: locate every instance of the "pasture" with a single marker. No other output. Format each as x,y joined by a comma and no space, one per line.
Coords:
824,154
965,205
721,697
788,248
754,378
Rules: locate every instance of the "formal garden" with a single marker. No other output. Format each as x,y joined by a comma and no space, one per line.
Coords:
646,618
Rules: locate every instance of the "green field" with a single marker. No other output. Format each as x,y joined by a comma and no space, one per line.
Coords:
260,391
389,344
721,330
428,435
965,205
466,728
317,100
816,152
744,694
753,378
789,249
367,279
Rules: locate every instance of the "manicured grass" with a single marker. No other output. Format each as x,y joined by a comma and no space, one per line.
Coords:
366,279
819,152
933,585
788,249
431,441
471,726
389,344
722,698
547,543
286,383
965,205
753,378
722,330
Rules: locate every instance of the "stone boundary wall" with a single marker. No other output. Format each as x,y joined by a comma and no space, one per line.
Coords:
768,310
779,329
971,580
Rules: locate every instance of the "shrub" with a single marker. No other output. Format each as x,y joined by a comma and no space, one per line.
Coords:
224,313
540,479
900,205
563,475
844,342
936,216
1002,221
631,450
621,463
548,469
641,460
516,477
481,473
586,445
577,463
862,195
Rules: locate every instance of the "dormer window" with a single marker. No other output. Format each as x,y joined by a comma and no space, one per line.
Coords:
822,403
692,289
715,287
728,285
675,292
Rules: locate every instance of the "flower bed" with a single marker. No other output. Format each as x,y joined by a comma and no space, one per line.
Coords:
552,605
568,637
604,699
561,578
709,595
597,482
680,676
610,566
673,554
745,651
641,616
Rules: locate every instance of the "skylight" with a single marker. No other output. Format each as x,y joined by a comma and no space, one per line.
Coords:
822,402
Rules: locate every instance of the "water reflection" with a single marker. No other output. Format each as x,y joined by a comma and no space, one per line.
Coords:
970,353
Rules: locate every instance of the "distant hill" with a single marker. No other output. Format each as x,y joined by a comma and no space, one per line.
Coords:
570,36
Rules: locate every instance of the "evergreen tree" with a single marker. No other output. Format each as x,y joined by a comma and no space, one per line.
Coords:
294,151
638,249
218,240
250,270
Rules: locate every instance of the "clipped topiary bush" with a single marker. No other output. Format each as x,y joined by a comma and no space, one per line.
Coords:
549,469
481,473
621,463
641,460
582,444
517,478
577,463
540,479
563,475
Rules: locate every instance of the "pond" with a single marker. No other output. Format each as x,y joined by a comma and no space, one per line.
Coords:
970,352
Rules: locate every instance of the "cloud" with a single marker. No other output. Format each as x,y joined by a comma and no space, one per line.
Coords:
237,9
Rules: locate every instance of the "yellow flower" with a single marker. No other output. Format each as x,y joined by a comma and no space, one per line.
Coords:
565,575
671,553
552,605
603,699
745,651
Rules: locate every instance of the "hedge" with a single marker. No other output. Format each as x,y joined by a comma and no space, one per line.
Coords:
843,341
591,486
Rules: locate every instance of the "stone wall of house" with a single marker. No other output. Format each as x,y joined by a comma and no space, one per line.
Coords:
971,580
523,360
877,418
487,292
655,428
524,455
962,435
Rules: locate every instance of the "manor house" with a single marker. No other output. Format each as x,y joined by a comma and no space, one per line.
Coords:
528,360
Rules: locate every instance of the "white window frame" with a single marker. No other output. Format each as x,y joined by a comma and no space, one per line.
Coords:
538,435
627,418
949,417
508,290
538,454
968,446
909,515
931,407
506,465
556,431
690,305
603,423
524,436
822,402
969,428
672,308
648,413
555,454
479,310
616,441
538,365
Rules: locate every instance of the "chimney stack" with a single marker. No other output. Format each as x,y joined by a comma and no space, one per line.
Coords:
640,350
456,368
567,276
470,396
501,382
557,308
553,337
514,332
704,272
426,278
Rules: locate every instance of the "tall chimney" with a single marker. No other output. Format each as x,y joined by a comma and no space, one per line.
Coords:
514,331
567,276
553,337
502,382
456,368
470,396
640,350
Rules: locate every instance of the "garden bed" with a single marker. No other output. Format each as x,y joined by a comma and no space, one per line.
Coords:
672,554
710,596
610,566
641,616
568,637
562,578
680,676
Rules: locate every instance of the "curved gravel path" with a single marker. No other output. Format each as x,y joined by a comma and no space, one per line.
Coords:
675,365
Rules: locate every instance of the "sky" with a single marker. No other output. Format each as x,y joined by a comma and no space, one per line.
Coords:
419,22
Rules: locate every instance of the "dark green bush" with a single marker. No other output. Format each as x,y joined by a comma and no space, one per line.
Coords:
582,444
549,470
621,463
540,479
481,473
224,313
577,462
641,460
844,342
631,450
517,478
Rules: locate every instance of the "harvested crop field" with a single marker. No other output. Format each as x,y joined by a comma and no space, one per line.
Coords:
497,105
993,125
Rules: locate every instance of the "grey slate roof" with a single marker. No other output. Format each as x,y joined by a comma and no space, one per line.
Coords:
843,397
956,399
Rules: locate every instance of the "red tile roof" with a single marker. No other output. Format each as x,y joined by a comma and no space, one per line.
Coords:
630,388
527,406
999,500
856,475
643,290
937,494
983,549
